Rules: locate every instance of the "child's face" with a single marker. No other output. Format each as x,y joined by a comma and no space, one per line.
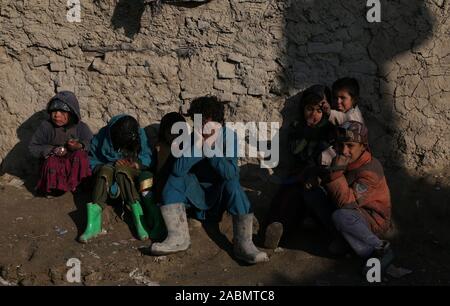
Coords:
352,150
313,114
343,100
60,118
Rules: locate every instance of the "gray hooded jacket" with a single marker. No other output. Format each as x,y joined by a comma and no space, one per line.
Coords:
49,136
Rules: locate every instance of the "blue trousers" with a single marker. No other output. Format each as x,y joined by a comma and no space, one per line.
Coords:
225,195
348,222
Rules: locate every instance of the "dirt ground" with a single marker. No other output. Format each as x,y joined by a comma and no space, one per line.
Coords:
38,236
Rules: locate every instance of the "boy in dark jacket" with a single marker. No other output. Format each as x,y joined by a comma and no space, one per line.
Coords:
308,137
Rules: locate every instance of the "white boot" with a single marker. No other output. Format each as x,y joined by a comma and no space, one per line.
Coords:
178,238
243,246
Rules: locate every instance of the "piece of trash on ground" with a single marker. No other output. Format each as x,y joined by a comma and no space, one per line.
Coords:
60,231
94,255
141,279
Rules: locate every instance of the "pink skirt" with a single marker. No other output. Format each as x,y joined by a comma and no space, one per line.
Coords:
64,173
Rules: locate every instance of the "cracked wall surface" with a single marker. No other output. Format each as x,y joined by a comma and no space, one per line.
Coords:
129,57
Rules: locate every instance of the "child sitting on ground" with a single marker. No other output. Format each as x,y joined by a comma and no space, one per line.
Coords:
152,192
62,143
120,157
345,102
345,108
308,137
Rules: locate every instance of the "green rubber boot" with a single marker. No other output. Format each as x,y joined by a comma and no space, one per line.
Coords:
138,219
154,219
94,222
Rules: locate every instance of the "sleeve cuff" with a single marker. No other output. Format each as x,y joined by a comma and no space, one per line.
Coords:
335,175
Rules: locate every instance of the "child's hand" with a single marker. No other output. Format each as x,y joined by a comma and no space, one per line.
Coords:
312,182
60,151
74,145
127,163
325,106
340,161
123,162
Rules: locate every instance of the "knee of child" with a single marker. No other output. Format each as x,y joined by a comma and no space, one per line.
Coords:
339,217
105,172
232,185
344,217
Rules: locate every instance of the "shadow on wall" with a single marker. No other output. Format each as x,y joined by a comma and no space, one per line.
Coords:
128,13
332,39
18,161
328,40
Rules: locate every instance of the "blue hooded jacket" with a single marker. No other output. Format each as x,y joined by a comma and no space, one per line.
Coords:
102,151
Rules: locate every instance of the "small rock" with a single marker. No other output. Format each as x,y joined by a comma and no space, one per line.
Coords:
93,278
278,250
16,182
56,276
439,3
26,282
4,282
57,67
225,70
40,60
236,58
159,259
202,25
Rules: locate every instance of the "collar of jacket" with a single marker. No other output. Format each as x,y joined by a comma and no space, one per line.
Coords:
362,160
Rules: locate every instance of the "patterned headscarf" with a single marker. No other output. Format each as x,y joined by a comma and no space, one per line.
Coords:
353,131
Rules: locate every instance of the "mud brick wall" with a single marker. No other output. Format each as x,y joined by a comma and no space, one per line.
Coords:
125,56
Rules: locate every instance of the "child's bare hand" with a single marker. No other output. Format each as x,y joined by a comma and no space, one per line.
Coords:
123,162
74,145
325,106
340,161
312,182
60,151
